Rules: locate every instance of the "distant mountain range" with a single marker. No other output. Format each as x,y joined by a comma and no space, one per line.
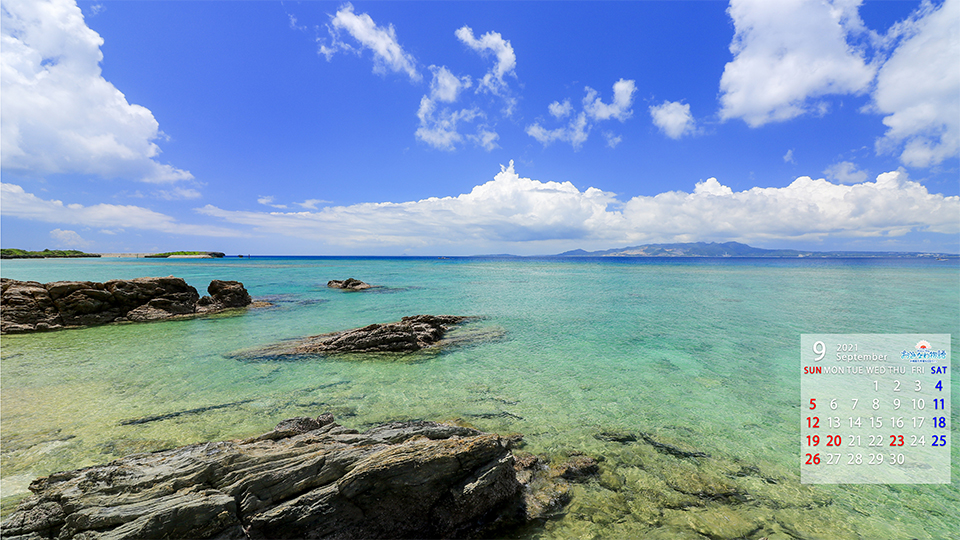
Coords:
736,249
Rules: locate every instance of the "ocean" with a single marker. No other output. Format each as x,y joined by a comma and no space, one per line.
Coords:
700,353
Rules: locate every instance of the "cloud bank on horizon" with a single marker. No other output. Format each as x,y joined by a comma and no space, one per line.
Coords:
791,60
528,214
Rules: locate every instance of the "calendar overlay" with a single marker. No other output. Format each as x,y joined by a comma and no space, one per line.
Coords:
875,408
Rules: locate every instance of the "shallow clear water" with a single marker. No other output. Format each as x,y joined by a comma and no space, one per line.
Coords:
703,349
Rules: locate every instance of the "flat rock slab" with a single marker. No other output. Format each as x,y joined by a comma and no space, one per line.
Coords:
410,334
309,478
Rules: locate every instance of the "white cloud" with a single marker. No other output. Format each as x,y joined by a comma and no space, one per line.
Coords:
575,133
58,114
381,41
485,138
439,127
612,140
68,239
577,130
788,53
177,194
788,157
311,204
510,210
445,85
673,118
918,88
20,204
807,209
845,172
506,208
491,43
623,91
560,110
267,200
294,24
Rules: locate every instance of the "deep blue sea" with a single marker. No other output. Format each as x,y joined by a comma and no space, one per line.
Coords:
701,352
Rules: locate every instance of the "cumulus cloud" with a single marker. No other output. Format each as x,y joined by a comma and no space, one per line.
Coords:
20,204
789,53
612,139
923,116
673,118
381,41
445,85
440,124
807,209
68,239
511,210
506,208
845,172
575,133
58,114
560,110
577,130
491,43
623,91
788,157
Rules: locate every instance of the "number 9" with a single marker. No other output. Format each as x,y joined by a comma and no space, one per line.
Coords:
821,349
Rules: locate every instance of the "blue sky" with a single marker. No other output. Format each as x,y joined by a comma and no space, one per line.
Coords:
458,128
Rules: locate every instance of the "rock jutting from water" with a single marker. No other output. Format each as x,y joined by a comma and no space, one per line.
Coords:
349,284
409,334
29,306
308,478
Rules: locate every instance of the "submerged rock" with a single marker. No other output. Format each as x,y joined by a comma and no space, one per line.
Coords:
309,478
409,334
349,284
28,306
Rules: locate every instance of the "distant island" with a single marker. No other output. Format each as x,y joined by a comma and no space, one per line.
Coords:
45,254
69,253
736,249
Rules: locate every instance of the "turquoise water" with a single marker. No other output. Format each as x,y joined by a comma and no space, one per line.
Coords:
701,351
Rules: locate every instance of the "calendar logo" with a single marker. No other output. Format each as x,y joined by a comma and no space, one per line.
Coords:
923,353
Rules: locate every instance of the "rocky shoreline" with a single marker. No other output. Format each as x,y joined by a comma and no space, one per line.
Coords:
308,478
29,306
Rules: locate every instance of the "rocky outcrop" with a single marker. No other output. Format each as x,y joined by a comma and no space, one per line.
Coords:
407,335
224,295
348,284
410,334
309,478
29,306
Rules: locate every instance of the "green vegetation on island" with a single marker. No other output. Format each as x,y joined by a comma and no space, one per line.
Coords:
210,254
13,253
